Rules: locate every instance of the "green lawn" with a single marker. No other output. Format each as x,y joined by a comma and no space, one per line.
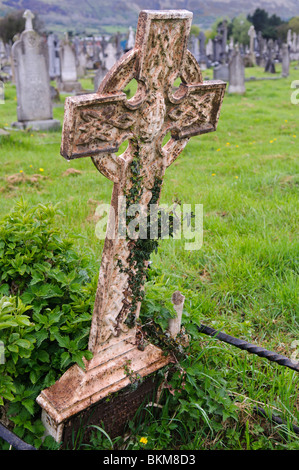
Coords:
243,280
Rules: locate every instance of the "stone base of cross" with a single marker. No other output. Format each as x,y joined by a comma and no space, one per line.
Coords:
95,125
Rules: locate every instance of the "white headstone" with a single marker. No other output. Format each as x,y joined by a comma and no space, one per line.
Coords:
236,73
30,60
68,68
110,56
131,39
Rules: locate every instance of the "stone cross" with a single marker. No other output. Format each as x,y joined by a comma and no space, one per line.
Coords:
95,125
28,15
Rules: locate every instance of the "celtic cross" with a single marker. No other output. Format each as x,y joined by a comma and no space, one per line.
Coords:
95,125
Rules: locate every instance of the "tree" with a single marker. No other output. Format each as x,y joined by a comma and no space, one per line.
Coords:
240,27
294,24
259,19
268,25
14,23
194,30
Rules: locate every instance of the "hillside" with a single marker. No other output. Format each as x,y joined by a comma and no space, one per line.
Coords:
97,15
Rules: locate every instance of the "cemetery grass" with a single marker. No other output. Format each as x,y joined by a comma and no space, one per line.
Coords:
243,280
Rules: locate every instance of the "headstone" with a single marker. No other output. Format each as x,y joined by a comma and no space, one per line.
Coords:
30,59
110,56
289,38
202,51
68,80
99,76
217,49
294,42
131,39
221,72
236,73
260,61
210,50
195,47
95,125
251,53
285,61
54,59
224,41
82,64
270,66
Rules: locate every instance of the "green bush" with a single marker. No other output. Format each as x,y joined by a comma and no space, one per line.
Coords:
46,301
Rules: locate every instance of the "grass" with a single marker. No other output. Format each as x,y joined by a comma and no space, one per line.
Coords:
243,280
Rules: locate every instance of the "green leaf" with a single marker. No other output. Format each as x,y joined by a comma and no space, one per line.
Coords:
65,359
23,343
43,356
13,348
40,336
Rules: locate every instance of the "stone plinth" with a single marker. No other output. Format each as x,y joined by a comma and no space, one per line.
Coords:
116,366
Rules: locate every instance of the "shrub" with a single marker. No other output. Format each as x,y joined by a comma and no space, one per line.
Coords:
46,300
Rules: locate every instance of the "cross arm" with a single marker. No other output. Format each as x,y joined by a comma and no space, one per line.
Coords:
95,124
198,111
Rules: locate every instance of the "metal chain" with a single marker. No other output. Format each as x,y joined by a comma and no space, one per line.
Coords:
251,348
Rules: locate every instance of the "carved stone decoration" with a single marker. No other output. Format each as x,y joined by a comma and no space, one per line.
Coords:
96,125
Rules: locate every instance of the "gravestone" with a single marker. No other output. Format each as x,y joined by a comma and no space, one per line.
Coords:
203,62
260,61
285,61
54,59
224,41
252,36
270,66
210,50
82,64
95,125
31,69
110,56
131,39
99,76
68,80
221,72
236,73
195,47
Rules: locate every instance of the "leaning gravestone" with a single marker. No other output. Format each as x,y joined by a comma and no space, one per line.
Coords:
236,73
30,63
95,125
